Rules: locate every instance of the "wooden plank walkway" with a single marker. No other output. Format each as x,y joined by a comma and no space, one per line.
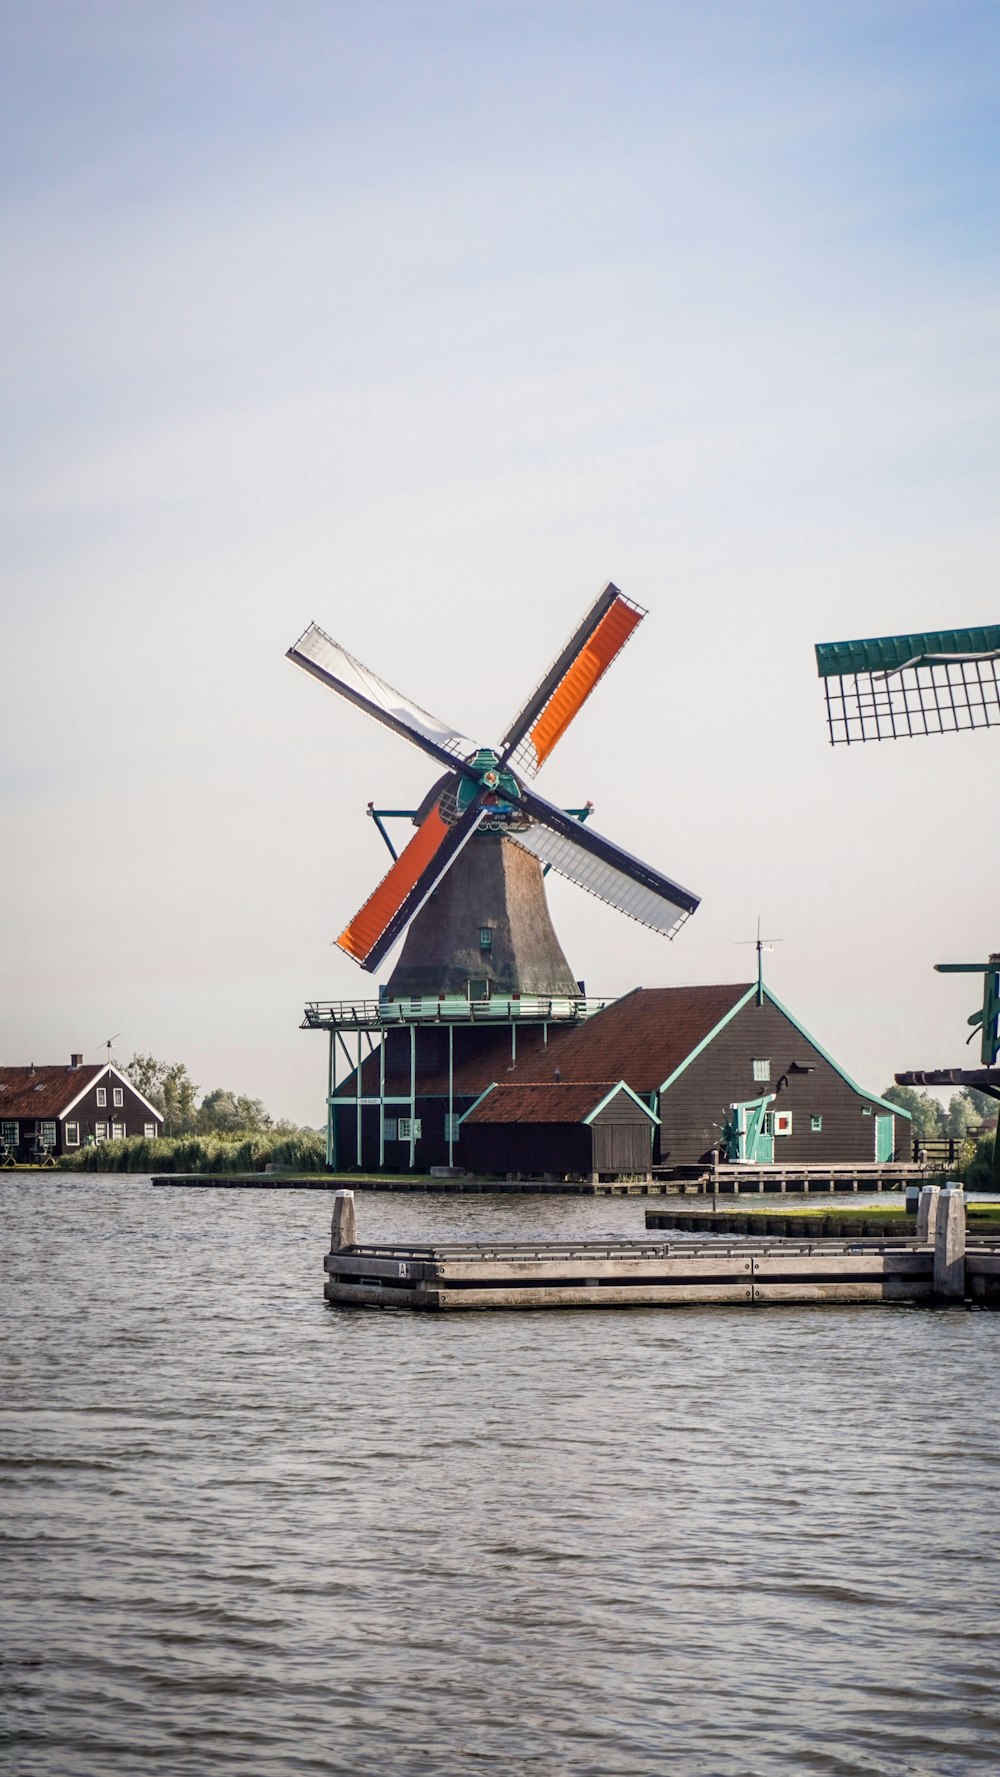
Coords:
453,1275
741,1180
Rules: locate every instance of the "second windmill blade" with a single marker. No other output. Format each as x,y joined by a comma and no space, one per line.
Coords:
550,709
603,868
404,889
318,654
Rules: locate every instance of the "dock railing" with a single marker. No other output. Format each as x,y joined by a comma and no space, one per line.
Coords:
449,1009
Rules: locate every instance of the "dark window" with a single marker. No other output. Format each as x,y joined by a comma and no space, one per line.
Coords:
485,938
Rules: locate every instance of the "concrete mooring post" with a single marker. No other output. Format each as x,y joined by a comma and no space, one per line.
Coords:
343,1230
949,1245
927,1213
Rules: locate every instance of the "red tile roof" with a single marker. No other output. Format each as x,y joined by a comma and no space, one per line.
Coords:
641,1038
27,1092
552,1101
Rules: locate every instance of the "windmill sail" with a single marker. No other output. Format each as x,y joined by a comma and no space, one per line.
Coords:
893,687
571,678
404,889
318,654
604,869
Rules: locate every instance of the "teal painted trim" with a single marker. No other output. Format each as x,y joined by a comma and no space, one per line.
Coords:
479,1100
871,1097
751,993
634,1096
880,654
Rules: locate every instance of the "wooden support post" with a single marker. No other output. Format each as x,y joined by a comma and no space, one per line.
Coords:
357,1097
949,1246
413,1096
927,1213
331,1080
343,1229
451,1095
381,1103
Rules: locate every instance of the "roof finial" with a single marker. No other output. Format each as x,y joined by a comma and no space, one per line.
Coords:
760,945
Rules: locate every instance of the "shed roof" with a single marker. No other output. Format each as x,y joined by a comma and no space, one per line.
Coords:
44,1091
546,1101
642,1038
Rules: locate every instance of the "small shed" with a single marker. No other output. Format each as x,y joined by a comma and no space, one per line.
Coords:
560,1127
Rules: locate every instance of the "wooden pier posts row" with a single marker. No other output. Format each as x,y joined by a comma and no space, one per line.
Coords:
933,1267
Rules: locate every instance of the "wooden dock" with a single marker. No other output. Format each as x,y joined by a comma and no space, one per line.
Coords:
745,1179
449,1275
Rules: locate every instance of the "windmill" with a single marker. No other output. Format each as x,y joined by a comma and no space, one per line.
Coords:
896,687
937,682
468,889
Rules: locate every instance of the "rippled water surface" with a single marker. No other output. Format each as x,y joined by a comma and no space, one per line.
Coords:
247,1533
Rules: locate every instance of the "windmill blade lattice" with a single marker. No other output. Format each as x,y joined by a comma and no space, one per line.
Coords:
897,687
603,869
319,654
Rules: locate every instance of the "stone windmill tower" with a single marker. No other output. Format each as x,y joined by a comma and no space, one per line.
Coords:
468,889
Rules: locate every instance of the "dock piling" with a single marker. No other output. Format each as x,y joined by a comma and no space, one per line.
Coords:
343,1228
949,1245
927,1213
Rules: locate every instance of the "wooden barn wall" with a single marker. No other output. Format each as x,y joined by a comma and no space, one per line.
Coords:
622,1137
692,1111
555,1148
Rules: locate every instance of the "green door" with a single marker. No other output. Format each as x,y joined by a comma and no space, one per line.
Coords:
756,1142
885,1130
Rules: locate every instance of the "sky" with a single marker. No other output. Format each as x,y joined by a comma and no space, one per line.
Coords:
423,321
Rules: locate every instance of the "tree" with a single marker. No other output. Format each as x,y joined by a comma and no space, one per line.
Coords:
928,1116
147,1076
985,1108
169,1087
179,1100
224,1113
961,1115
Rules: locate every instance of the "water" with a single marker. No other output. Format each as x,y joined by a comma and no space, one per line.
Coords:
245,1533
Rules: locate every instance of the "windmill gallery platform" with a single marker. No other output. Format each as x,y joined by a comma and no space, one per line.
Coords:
937,1266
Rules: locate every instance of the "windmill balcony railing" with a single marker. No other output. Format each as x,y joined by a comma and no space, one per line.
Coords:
449,1009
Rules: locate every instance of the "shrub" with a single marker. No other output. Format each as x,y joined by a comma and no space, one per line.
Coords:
249,1151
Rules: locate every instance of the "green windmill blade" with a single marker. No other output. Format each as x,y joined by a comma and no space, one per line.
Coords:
897,687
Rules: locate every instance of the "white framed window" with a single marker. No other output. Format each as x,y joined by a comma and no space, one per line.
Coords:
48,1133
102,1097
762,1068
117,1097
451,1126
149,1131
10,1134
390,1129
118,1132
100,1132
72,1135
410,1129
815,1124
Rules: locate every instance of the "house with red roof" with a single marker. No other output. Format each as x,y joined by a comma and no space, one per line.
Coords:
54,1110
726,1069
